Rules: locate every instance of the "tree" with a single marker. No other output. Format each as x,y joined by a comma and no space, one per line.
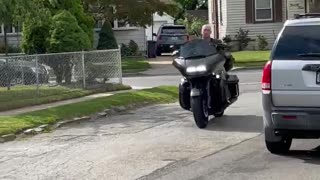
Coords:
193,24
134,12
193,4
106,37
37,16
66,36
75,7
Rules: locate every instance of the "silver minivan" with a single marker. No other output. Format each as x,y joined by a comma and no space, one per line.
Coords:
291,84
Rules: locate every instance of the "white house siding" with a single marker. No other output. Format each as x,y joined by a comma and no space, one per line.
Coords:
236,19
125,35
295,7
12,39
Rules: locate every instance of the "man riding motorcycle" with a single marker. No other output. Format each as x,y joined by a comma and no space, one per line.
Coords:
206,32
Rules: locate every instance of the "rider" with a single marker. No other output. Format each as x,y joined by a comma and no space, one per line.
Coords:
206,32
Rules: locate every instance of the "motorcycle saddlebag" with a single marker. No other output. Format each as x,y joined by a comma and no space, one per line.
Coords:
184,95
233,85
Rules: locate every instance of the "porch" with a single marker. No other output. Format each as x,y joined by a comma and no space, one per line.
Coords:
302,6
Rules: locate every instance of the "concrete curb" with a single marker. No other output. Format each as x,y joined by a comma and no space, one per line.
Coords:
8,137
99,115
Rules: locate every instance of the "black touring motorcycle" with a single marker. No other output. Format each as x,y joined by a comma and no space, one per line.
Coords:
206,88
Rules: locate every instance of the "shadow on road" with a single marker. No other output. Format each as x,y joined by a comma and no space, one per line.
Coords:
309,156
246,123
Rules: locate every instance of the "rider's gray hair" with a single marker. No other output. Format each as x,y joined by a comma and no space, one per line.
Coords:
206,27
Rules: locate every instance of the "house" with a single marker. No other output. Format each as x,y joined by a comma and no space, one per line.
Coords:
123,33
13,36
260,17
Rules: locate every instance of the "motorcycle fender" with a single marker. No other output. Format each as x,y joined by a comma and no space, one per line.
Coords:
195,92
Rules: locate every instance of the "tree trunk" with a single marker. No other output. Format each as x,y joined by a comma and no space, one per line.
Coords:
58,71
68,73
5,40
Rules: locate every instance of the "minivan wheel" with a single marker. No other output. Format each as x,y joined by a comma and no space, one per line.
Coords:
281,147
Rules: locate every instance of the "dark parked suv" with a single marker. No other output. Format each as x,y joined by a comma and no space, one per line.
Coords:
291,84
170,35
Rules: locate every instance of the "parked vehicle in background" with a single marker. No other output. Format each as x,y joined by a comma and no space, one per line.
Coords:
170,36
22,72
291,84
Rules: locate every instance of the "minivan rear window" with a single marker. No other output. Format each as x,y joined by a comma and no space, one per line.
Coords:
296,41
173,30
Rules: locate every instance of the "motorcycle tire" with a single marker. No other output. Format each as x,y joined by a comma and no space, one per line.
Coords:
200,112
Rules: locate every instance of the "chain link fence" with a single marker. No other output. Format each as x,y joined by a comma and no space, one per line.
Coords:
60,74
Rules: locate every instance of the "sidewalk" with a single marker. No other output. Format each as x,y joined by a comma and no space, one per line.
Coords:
59,103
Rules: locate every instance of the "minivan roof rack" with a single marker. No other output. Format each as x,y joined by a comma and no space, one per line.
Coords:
307,15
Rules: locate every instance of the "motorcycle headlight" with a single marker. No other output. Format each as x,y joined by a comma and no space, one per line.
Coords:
193,69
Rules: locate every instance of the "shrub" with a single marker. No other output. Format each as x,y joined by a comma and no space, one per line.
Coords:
243,38
134,48
227,39
11,49
262,42
106,37
95,71
125,50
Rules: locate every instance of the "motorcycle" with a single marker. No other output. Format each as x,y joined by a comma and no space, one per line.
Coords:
206,88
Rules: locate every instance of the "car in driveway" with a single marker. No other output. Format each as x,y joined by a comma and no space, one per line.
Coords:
22,72
170,37
291,84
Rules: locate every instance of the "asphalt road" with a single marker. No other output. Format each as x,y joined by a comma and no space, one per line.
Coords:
162,142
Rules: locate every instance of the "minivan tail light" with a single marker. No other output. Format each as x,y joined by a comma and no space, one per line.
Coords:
266,77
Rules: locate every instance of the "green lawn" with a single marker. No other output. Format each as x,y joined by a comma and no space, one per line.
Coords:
251,58
23,96
19,123
134,66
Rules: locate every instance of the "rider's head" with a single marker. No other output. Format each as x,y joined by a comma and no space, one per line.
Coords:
206,31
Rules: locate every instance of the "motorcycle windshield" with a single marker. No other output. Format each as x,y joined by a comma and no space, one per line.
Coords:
197,49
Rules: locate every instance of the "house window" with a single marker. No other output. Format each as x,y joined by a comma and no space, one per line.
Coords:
99,24
11,29
115,24
263,10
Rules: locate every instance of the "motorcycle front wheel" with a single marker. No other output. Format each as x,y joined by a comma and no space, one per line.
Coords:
200,111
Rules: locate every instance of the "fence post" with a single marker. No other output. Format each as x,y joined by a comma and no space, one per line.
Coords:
8,75
83,70
37,75
120,63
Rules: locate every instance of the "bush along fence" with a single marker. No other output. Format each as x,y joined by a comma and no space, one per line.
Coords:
44,75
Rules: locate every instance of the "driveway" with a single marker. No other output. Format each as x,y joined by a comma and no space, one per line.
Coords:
128,146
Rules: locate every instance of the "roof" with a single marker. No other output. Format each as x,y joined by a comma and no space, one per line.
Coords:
303,22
